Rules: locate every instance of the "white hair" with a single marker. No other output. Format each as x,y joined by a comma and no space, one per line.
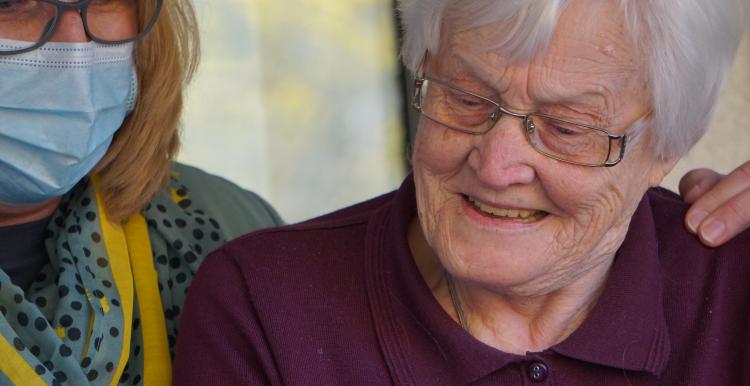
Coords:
690,45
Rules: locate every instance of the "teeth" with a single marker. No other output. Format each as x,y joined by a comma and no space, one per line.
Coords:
523,215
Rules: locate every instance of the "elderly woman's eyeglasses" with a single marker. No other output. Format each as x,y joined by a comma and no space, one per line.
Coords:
553,137
31,23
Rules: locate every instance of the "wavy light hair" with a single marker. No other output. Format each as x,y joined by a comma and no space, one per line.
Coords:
690,46
136,166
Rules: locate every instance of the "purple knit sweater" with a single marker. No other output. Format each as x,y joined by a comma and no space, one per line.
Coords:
339,301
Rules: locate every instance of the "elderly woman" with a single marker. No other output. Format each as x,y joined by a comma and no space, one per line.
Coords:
92,284
530,245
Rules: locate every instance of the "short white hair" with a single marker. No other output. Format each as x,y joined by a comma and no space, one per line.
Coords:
691,47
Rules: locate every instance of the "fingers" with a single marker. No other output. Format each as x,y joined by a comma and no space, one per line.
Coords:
697,182
727,221
723,210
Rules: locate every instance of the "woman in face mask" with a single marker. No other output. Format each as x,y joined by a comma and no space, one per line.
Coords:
100,232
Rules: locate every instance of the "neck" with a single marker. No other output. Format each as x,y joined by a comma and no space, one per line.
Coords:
529,323
14,215
510,320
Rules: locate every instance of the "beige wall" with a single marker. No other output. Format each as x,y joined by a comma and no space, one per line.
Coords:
298,101
727,143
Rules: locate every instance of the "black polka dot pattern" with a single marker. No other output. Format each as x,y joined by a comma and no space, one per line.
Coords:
47,326
180,241
48,323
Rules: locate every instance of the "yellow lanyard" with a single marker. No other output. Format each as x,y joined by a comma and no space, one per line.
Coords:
129,249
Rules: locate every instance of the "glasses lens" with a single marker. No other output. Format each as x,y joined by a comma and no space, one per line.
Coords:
120,20
568,141
25,22
455,108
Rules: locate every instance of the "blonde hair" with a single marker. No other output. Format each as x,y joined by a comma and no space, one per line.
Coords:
137,164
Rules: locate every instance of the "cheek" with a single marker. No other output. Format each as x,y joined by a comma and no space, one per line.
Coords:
440,151
439,154
598,208
130,21
593,214
592,205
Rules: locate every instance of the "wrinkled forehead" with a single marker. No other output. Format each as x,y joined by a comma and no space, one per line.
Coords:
588,62
591,30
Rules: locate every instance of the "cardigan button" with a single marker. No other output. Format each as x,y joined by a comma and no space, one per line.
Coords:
538,371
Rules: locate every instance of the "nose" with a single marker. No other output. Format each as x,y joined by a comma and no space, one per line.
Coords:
70,28
503,157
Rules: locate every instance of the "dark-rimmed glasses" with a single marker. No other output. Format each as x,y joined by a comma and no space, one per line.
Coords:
31,23
560,139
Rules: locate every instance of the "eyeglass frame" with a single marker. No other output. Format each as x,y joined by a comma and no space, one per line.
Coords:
529,126
81,7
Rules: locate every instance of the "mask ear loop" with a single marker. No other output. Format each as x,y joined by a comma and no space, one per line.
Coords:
133,96
134,86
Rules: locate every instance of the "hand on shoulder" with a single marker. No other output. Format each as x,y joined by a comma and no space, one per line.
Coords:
720,203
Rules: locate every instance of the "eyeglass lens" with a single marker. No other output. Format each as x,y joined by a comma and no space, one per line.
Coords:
553,137
28,22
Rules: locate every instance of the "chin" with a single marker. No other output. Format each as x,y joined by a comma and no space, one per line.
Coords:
503,255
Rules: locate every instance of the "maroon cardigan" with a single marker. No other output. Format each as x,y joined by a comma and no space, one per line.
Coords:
339,301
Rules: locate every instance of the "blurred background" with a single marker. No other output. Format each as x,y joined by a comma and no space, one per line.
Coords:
302,101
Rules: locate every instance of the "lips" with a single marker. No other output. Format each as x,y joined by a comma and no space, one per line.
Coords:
510,214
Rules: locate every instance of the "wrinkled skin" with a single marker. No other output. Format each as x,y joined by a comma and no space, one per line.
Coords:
526,286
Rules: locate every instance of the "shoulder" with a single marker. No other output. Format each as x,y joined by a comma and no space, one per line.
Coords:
693,272
669,212
285,295
335,230
704,291
237,209
318,250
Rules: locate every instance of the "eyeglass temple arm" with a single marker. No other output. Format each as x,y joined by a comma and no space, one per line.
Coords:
418,82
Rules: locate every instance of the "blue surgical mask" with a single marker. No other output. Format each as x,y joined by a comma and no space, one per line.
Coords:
60,106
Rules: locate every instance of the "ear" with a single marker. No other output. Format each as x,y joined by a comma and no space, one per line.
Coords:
659,169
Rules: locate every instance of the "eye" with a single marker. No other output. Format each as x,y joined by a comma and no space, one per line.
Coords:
466,102
469,102
565,131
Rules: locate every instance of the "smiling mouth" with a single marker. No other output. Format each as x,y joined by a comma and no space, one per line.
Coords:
509,214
